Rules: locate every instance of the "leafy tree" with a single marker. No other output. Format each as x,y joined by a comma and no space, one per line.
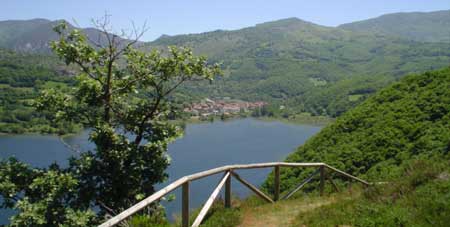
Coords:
123,95
126,106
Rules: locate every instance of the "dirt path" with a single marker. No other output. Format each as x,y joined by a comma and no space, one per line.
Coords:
280,214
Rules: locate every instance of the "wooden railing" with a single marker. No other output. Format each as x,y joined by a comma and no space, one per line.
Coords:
230,170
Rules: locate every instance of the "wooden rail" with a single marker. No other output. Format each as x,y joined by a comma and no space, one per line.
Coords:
229,171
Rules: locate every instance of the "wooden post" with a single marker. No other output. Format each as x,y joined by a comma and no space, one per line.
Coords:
253,188
276,194
303,183
185,205
198,220
184,183
322,179
228,192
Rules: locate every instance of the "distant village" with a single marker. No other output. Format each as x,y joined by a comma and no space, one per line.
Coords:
225,106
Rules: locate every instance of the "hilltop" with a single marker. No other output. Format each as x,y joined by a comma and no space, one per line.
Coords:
419,26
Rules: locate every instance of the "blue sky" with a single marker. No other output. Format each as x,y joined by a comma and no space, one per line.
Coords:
193,16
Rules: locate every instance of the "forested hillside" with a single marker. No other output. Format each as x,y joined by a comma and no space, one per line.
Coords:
22,76
407,120
425,27
308,67
302,66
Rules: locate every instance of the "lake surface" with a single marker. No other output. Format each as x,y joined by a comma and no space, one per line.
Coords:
203,146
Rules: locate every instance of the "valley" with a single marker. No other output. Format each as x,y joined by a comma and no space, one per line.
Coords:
99,125
308,68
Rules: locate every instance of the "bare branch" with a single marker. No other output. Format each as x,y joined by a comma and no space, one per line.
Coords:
87,71
138,33
111,211
176,85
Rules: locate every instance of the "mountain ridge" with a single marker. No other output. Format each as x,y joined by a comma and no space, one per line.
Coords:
35,35
298,64
374,25
420,26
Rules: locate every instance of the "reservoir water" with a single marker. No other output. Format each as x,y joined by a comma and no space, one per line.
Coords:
203,146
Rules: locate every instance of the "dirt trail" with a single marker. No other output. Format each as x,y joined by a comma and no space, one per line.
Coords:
280,214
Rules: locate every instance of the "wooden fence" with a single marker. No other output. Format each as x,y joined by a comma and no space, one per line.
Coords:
228,172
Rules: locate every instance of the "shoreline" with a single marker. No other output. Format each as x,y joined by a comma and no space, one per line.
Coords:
319,120
297,120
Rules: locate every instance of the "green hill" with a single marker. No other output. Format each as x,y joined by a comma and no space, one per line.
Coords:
307,67
22,76
425,27
407,120
303,66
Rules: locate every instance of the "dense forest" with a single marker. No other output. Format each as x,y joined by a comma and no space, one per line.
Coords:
407,119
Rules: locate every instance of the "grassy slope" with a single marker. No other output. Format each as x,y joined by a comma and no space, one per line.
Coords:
420,196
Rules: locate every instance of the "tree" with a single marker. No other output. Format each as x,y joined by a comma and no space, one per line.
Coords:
123,96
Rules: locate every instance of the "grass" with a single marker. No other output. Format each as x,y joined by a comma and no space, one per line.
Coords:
252,211
217,216
418,196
